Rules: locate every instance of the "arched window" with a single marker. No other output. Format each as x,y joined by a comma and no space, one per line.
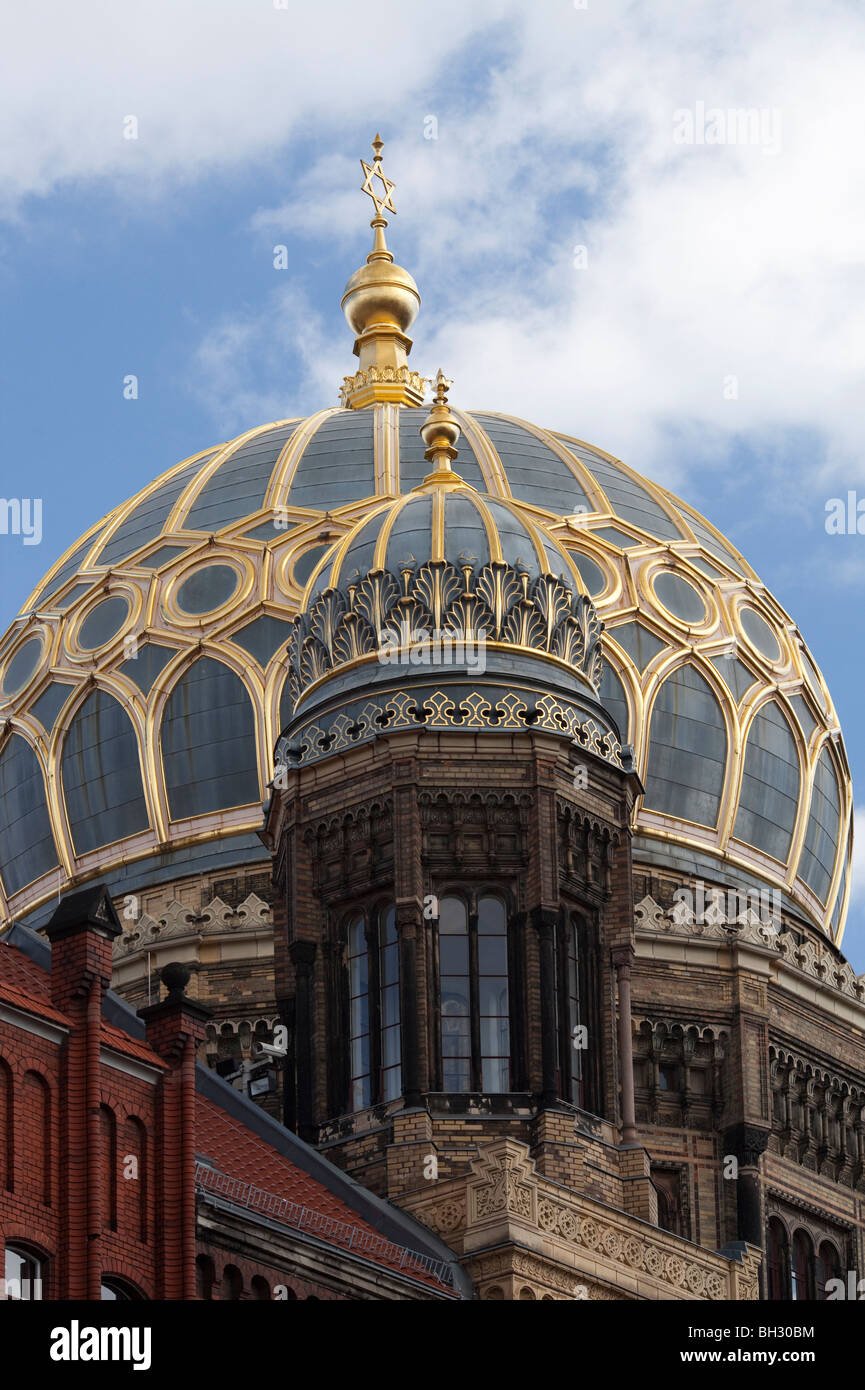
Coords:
375,1056
232,1284
133,1189
802,1267
828,1268
36,1105
24,1275
111,1289
778,1262
108,1146
260,1289
475,996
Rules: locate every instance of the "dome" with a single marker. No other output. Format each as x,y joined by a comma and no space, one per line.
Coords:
144,683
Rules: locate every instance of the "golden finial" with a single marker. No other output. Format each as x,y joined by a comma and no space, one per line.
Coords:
381,301
443,385
440,432
382,202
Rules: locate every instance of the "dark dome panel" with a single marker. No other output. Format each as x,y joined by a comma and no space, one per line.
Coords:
707,538
628,500
338,464
465,533
817,863
66,571
144,667
361,551
102,775
262,638
208,742
536,473
237,488
27,849
687,750
514,537
611,694
769,799
50,703
146,521
411,535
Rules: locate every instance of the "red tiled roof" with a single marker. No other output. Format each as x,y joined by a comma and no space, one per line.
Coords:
238,1152
24,985
119,1041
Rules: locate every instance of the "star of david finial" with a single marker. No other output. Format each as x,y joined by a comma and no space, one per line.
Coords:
382,197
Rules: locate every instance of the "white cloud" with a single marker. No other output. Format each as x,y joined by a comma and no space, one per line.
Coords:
555,129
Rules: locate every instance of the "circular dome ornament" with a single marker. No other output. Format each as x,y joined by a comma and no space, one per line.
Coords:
103,623
207,588
21,666
679,597
591,573
759,635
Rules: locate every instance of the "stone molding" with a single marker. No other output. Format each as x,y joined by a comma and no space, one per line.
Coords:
506,1202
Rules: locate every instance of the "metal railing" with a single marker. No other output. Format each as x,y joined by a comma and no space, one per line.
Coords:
326,1228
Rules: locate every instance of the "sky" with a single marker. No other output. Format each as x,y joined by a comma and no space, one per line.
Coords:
600,245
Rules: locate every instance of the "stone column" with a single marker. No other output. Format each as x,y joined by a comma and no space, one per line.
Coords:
622,960
302,955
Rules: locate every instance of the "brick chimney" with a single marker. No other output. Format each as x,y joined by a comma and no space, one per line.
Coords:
82,932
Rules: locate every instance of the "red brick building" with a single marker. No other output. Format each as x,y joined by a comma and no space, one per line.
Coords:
129,1171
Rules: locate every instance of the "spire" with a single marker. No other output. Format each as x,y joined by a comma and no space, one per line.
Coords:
440,432
381,301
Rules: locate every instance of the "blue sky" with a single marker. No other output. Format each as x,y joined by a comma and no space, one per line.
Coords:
553,129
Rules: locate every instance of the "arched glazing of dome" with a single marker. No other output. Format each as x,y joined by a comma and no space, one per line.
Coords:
210,564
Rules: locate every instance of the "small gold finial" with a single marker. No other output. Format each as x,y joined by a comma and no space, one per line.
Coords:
440,432
443,385
381,301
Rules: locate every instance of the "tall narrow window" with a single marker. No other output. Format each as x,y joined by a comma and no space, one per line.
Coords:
455,995
778,1264
374,1009
802,1267
828,1268
493,996
391,1069
576,1005
475,1001
358,988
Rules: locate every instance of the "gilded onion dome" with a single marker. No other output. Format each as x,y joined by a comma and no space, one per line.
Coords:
146,681
445,608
